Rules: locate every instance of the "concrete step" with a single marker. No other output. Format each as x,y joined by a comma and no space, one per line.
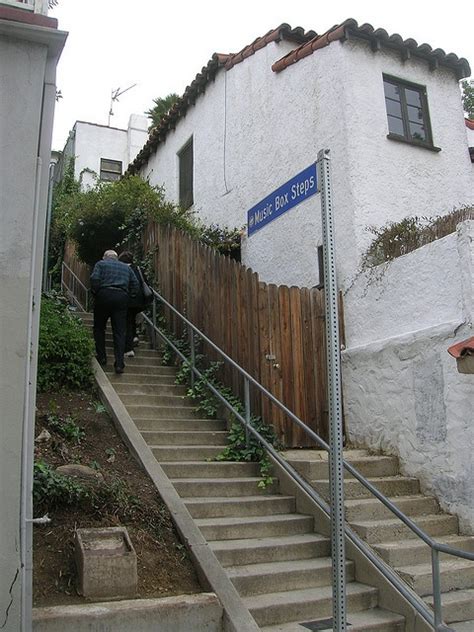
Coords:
465,626
212,487
373,509
375,531
222,507
458,605
143,369
166,412
211,469
254,526
140,352
185,453
149,379
456,574
278,549
124,387
257,579
306,605
155,399
180,425
373,620
141,360
414,551
389,486
194,437
317,468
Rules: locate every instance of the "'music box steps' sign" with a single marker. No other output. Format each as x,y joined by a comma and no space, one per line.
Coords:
293,192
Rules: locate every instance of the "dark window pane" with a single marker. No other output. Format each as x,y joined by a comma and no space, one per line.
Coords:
413,97
111,165
391,91
415,115
395,126
186,196
393,108
417,131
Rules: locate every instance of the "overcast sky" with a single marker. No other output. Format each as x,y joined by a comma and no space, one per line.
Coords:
162,45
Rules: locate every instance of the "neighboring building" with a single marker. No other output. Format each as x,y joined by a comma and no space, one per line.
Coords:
30,46
388,109
101,152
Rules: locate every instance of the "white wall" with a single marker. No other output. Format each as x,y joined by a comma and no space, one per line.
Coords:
402,391
27,95
254,129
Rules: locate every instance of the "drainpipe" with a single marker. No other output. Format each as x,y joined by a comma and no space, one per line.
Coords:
48,227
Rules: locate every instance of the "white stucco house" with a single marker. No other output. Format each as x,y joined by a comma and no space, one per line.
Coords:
389,109
30,47
101,152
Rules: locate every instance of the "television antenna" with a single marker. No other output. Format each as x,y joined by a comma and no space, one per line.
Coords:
115,97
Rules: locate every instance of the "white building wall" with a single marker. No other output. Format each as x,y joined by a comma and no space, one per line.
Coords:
402,391
254,129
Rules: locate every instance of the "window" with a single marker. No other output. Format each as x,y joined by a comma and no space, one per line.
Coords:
110,169
407,112
185,156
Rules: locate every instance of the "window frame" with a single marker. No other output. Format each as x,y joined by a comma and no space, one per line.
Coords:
407,137
186,180
110,171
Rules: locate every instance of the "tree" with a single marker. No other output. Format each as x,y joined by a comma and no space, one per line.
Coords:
162,106
468,97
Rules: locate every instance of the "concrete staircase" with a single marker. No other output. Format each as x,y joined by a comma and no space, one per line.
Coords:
278,564
393,541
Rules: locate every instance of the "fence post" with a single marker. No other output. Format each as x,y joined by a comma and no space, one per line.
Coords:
336,471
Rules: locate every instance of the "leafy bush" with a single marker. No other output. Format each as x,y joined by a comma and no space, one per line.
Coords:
51,489
399,238
66,427
65,347
113,214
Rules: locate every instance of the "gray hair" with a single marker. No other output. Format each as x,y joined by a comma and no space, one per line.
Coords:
110,254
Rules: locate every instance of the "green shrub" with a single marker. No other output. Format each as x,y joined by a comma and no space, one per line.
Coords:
65,347
51,489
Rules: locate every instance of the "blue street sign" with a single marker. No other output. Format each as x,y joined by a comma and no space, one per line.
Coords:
296,190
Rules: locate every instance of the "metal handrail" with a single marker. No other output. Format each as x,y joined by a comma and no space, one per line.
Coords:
434,617
71,291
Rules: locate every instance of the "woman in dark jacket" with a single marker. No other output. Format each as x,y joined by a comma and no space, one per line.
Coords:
135,306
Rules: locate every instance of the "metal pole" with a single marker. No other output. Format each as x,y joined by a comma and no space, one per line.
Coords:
153,331
193,354
336,470
436,588
247,409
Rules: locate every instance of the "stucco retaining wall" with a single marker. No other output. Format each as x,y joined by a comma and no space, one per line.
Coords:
402,392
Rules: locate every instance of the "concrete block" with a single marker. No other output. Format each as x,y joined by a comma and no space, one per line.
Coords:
106,563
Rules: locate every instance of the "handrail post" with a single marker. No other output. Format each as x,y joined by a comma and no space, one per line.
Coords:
436,588
193,353
153,330
247,410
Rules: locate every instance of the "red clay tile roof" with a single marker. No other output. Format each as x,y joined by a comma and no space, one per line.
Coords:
377,38
284,31
469,123
461,349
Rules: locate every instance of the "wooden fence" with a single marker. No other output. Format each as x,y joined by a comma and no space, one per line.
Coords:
276,333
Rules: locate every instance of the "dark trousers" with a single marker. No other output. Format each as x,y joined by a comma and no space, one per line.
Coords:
110,304
132,313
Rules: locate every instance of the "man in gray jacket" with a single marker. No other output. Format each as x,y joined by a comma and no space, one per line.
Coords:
113,284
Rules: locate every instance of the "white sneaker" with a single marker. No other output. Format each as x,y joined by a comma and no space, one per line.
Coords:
129,354
136,340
